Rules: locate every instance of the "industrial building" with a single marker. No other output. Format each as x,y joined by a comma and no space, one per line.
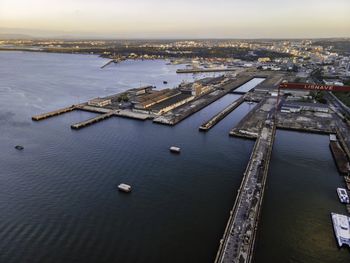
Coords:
100,102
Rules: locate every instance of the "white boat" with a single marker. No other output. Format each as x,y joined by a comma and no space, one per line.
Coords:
343,195
333,137
341,226
175,149
124,188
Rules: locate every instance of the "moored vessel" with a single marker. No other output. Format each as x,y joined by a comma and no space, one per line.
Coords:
339,156
343,195
341,226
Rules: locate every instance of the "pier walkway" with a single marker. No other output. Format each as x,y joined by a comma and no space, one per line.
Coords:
109,62
237,243
204,70
92,120
251,125
53,113
106,115
222,114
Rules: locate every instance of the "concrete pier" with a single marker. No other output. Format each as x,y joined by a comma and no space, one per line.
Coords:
106,115
204,70
218,117
181,113
237,243
132,115
109,62
92,120
250,126
85,107
53,113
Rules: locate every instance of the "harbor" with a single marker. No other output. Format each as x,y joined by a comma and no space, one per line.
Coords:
167,106
237,244
137,153
106,154
171,106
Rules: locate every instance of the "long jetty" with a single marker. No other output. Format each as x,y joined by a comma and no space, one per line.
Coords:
101,117
221,115
53,113
106,115
237,244
200,70
109,62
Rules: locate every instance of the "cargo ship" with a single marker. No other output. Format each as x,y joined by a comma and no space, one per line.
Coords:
341,226
339,155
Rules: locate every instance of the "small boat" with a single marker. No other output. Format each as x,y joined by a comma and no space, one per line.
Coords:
343,195
340,157
175,149
332,137
165,82
124,188
341,226
19,147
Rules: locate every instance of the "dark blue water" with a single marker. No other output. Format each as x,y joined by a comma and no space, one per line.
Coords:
58,197
301,193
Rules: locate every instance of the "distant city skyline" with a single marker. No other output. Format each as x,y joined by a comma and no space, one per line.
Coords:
176,19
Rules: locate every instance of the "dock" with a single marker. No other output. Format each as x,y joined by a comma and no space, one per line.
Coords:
340,157
237,244
109,62
99,118
132,115
106,115
250,126
53,113
85,107
204,70
221,115
184,111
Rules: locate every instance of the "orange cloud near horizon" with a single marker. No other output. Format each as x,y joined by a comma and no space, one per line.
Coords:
192,18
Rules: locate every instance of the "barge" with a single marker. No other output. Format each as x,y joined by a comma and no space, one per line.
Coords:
339,155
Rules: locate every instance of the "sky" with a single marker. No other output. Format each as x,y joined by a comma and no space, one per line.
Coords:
177,18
